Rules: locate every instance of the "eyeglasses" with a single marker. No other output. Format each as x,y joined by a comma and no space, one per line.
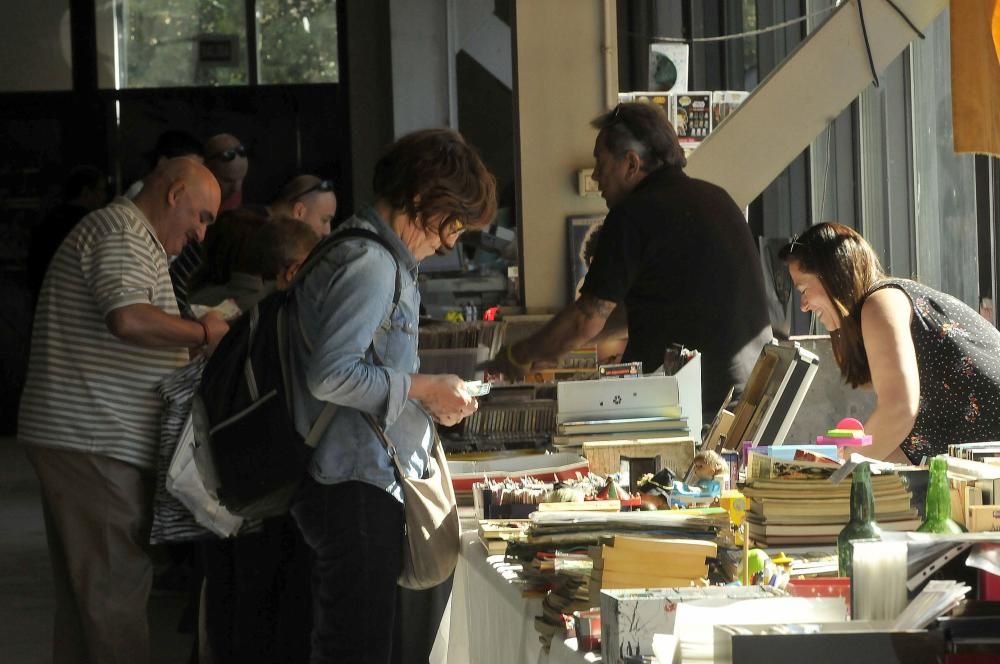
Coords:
449,231
618,118
322,185
228,155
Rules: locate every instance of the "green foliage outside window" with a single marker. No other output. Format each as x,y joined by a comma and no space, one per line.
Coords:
297,42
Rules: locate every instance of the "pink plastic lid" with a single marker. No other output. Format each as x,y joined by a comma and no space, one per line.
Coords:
850,423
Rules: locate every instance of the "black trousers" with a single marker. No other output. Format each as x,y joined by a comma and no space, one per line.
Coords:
258,606
355,531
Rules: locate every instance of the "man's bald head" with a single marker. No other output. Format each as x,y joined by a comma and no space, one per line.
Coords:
226,157
180,198
309,199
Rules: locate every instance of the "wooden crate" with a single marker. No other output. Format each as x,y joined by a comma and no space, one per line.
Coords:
675,454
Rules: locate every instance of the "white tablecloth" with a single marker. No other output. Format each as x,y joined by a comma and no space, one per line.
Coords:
490,622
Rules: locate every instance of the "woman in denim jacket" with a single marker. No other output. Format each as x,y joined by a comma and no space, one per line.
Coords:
357,348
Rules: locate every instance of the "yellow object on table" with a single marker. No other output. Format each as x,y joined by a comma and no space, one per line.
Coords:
735,503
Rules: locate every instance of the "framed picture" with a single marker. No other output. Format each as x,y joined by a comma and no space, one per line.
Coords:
581,232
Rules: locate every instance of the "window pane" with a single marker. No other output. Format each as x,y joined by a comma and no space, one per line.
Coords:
298,41
159,43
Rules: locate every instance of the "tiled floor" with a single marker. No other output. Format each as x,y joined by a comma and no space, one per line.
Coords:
26,602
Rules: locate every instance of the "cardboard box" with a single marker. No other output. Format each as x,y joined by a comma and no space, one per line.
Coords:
605,458
630,618
983,518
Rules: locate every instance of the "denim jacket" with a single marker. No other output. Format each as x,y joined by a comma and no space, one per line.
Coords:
344,308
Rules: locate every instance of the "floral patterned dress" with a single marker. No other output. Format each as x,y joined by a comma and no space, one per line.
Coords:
958,358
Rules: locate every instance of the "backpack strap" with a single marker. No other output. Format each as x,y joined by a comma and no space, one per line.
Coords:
320,251
330,241
327,245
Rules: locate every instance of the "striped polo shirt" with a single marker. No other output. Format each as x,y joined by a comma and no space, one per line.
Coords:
88,390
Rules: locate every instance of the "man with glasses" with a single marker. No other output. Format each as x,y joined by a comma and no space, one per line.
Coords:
675,251
308,199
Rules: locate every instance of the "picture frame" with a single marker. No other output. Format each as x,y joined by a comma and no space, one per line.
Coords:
579,231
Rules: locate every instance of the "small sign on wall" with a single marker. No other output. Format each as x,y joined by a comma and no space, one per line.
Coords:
215,50
668,67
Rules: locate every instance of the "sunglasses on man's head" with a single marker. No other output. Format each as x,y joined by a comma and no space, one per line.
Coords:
322,185
619,118
228,155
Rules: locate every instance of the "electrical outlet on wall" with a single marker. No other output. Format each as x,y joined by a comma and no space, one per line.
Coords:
586,184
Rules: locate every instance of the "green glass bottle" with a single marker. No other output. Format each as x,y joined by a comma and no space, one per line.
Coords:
937,515
862,525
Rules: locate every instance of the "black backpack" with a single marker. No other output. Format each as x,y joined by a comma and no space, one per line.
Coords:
248,450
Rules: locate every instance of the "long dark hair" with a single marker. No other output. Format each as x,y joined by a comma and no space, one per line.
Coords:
846,266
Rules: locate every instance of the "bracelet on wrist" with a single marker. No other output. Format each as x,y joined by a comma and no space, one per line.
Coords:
204,331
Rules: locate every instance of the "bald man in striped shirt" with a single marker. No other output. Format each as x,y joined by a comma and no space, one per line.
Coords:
106,331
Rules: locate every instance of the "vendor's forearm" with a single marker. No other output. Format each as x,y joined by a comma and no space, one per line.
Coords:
571,328
615,328
887,427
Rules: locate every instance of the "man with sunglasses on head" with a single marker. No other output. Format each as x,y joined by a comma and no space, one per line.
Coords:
226,157
675,262
308,199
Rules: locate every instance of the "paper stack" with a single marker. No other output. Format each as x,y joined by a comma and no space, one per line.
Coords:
793,502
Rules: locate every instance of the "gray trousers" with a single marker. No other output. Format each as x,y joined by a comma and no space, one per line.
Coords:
97,519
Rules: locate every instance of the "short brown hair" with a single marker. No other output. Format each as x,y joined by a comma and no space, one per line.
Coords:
229,247
847,266
645,129
289,240
435,172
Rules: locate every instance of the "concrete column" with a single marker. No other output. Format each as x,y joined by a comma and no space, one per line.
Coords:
560,85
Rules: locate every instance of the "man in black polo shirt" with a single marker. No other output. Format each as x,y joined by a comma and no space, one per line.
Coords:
675,251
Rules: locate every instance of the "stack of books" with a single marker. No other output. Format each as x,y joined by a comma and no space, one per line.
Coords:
632,562
576,433
988,453
562,580
654,548
813,563
975,486
618,562
495,533
562,530
796,511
